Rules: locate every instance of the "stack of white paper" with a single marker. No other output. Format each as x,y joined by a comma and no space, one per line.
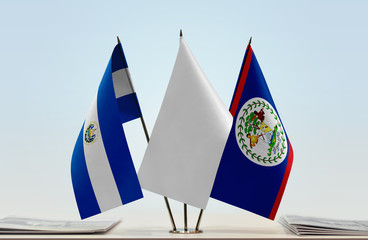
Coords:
322,226
43,226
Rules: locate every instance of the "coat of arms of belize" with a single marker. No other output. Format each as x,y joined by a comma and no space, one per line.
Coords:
260,134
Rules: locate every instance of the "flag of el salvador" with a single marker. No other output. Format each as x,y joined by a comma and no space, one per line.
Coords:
258,156
102,170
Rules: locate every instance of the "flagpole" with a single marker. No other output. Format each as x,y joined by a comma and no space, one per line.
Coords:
147,138
185,218
170,214
185,205
199,220
201,212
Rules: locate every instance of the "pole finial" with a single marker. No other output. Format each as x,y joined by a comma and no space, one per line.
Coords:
181,33
250,41
118,39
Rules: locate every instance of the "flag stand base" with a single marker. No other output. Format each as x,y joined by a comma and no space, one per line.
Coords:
182,231
186,230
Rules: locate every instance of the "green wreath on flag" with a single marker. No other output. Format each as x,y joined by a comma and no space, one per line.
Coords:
246,126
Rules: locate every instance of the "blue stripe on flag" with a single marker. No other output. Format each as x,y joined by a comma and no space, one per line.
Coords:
118,59
83,191
256,85
114,140
129,107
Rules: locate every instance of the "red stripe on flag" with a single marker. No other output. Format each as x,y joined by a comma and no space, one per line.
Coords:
241,83
283,184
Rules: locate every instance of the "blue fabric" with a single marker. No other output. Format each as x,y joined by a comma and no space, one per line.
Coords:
118,59
129,107
115,142
239,181
83,191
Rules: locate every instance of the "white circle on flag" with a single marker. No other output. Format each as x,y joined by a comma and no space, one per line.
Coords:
260,134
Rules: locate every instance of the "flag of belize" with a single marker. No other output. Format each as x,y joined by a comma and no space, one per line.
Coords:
258,156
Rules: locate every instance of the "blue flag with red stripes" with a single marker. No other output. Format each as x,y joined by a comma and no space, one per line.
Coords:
258,156
102,169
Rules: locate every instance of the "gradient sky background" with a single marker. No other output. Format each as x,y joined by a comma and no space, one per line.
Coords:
313,55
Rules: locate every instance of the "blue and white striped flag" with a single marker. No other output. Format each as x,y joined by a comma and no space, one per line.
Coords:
102,169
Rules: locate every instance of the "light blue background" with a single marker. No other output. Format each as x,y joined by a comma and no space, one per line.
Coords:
312,53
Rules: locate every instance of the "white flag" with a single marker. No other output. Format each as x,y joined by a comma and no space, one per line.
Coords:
188,138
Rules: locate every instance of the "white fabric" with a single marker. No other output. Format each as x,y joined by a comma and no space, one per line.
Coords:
102,179
121,82
188,138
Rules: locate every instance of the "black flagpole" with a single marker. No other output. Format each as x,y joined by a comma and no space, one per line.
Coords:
148,138
201,212
199,220
185,205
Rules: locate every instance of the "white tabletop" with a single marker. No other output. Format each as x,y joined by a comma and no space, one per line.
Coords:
216,226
